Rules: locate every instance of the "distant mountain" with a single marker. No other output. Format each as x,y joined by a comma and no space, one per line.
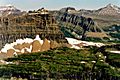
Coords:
109,10
103,23
105,16
9,9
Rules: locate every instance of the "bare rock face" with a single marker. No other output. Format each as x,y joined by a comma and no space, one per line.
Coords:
45,45
36,46
53,44
10,52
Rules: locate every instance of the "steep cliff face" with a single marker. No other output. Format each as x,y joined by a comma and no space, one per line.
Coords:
76,24
29,25
99,24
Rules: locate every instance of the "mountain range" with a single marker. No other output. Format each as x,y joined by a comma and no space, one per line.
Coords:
110,9
105,16
107,19
92,23
9,9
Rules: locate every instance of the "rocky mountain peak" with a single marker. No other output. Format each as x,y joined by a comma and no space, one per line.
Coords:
110,9
112,6
9,9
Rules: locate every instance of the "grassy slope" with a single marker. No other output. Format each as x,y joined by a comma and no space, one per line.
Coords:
60,63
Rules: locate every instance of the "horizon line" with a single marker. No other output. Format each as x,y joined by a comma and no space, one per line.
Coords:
59,7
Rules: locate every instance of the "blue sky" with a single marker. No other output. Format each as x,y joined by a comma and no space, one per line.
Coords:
58,4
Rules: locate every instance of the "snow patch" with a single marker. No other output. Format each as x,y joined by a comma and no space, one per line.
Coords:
39,39
118,52
18,41
73,41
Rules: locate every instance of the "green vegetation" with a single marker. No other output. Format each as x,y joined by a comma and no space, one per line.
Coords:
94,39
115,35
114,60
62,63
66,32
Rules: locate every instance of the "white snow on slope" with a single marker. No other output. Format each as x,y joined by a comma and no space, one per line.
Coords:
73,41
118,52
20,41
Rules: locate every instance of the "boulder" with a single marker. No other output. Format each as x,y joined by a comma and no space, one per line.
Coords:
45,45
36,46
26,45
10,52
18,46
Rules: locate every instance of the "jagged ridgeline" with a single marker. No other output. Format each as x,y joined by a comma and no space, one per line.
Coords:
28,25
75,25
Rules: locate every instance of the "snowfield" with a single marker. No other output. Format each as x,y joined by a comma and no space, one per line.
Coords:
74,42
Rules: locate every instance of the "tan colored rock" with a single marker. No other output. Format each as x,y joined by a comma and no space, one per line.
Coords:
36,46
18,46
10,52
96,34
45,45
53,44
26,45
